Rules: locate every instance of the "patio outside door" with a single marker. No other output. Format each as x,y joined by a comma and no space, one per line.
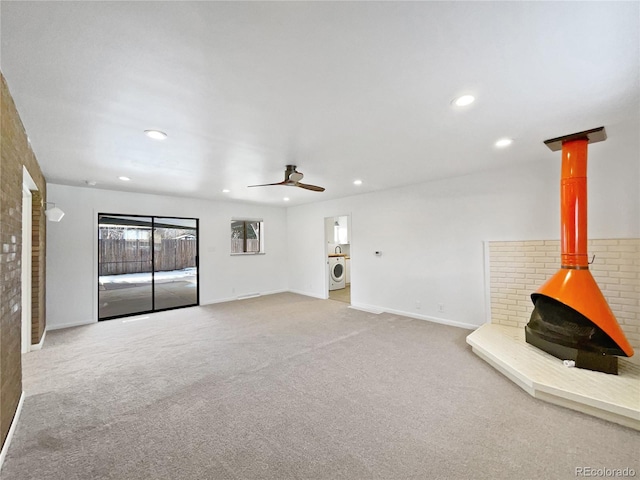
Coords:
146,264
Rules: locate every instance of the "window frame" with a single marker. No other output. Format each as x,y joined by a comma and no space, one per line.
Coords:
246,222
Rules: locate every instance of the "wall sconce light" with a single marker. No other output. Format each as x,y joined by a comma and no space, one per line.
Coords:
53,214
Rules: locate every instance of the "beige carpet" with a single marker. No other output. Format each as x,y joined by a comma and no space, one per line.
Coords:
289,387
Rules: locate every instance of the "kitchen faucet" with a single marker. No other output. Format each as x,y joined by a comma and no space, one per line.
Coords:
338,247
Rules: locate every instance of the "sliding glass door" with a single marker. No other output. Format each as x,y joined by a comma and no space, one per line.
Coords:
175,257
146,264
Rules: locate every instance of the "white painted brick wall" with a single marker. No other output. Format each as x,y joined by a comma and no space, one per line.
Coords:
517,269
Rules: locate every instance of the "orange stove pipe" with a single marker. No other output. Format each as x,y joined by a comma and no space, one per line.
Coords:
573,285
573,201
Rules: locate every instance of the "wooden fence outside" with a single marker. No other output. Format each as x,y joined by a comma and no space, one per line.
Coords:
237,245
119,256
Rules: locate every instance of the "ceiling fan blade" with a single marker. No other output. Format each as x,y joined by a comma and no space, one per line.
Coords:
268,184
306,186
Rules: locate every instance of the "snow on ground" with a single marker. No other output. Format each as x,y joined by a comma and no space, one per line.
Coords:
186,274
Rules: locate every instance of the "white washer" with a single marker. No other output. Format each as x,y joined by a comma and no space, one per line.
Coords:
337,270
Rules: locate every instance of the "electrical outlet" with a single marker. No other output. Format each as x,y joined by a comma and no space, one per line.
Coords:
441,307
418,305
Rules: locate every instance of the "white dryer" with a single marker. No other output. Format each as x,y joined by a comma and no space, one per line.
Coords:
337,273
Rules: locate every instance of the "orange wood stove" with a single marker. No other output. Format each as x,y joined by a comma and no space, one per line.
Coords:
571,318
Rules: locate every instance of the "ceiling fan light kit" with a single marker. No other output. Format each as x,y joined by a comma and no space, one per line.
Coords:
292,179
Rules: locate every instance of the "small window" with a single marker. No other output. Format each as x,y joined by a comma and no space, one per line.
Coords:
246,237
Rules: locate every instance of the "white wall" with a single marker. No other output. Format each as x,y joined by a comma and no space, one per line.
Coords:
72,248
432,234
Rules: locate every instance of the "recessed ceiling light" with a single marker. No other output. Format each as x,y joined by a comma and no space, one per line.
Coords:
503,142
464,100
124,179
226,191
155,134
357,182
286,199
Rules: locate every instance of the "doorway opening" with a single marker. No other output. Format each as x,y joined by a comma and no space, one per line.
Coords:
28,189
26,268
338,253
146,264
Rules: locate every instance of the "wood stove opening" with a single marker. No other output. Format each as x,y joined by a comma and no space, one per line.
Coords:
565,333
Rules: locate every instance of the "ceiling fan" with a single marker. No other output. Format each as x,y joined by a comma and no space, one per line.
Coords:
292,179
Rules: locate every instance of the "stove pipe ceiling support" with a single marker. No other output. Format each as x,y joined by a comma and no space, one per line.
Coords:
573,285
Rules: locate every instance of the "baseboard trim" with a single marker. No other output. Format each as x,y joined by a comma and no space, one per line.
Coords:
69,325
307,294
38,346
217,300
14,423
442,321
248,295
273,292
367,308
241,297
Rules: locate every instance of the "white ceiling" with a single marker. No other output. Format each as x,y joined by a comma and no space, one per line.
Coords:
344,90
